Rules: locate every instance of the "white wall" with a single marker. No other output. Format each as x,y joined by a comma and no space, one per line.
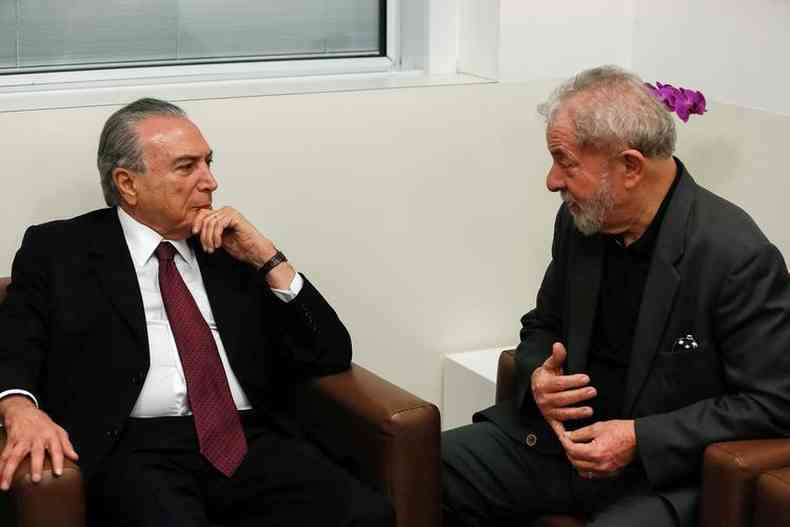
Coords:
739,154
555,39
734,51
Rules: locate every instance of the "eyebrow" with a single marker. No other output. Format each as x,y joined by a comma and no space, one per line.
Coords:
181,159
561,155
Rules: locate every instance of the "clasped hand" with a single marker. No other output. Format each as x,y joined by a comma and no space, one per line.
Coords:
227,228
601,449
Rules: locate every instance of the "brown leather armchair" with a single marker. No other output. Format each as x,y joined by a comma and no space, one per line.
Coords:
382,433
735,475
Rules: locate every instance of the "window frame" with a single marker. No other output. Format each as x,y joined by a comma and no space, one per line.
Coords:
419,41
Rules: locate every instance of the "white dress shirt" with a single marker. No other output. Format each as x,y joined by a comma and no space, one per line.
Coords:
164,392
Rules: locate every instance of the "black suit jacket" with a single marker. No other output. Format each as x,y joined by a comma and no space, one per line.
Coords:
714,276
74,333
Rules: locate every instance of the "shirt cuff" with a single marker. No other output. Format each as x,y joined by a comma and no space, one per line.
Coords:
286,295
18,392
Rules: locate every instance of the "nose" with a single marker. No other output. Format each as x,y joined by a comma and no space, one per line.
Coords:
208,181
554,180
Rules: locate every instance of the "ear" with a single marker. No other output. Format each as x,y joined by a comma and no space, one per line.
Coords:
126,185
634,164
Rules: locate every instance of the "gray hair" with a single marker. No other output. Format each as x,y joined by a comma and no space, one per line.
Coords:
118,144
613,111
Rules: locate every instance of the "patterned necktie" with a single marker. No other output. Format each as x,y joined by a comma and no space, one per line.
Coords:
217,421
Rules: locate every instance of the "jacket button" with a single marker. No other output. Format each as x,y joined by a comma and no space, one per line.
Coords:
531,439
114,433
137,379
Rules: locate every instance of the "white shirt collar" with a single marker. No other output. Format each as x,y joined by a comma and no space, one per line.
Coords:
142,241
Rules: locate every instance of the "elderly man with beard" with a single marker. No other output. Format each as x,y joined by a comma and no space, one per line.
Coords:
662,325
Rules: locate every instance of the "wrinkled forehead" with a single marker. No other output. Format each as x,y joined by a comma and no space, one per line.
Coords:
560,128
170,136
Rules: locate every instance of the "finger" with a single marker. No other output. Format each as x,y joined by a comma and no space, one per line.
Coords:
8,473
208,230
197,223
225,224
4,460
560,432
563,436
68,448
205,236
559,428
13,457
547,390
598,468
546,381
592,470
36,462
566,414
56,455
558,383
216,225
560,399
557,358
219,228
580,452
583,466
585,434
205,228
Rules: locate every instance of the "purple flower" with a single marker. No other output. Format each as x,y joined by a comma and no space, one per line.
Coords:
682,101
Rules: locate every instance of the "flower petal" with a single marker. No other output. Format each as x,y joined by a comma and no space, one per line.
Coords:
700,104
682,108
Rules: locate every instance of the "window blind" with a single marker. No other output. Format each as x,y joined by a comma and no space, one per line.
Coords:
58,35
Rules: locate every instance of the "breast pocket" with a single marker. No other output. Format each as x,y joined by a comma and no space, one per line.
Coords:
686,376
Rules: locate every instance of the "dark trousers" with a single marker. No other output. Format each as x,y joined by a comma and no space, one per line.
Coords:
156,477
490,479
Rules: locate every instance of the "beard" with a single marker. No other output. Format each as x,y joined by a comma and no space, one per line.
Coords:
589,216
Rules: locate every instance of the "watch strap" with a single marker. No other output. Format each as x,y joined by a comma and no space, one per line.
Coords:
273,262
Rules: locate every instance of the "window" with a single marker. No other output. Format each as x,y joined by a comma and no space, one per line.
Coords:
79,53
39,36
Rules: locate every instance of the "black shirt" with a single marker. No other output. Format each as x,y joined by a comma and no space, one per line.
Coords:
623,279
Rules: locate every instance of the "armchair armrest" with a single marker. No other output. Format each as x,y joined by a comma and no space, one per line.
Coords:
773,498
506,375
53,501
385,435
729,478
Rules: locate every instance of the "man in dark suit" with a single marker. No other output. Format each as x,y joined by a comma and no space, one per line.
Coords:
156,333
662,325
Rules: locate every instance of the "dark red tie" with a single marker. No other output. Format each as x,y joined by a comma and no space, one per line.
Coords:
217,421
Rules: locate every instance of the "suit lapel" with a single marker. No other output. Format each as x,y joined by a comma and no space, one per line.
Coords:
661,287
585,267
111,262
